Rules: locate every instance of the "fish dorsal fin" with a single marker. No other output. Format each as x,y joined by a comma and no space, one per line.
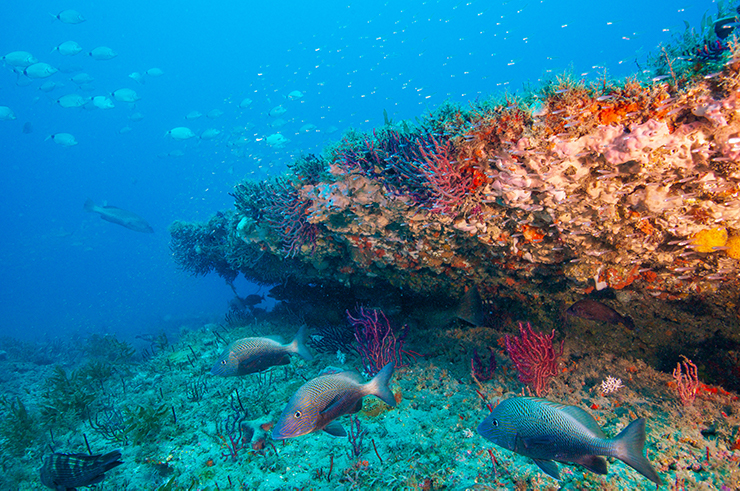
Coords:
584,418
335,429
353,376
548,467
577,414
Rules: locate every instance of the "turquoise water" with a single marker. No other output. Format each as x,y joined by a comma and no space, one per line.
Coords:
108,345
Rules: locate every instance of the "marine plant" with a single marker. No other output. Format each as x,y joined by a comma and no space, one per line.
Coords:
144,423
109,348
66,398
17,427
110,423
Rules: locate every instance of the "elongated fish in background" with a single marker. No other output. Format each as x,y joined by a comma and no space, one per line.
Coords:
102,53
250,355
6,114
19,59
597,311
68,48
121,217
320,401
63,139
69,16
546,432
39,70
63,472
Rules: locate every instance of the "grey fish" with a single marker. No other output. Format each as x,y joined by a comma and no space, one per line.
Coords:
548,432
66,472
318,402
250,355
597,311
121,217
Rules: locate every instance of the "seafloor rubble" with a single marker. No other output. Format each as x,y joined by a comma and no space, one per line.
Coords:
629,191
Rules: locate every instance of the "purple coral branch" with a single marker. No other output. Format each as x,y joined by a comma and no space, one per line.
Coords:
377,345
534,357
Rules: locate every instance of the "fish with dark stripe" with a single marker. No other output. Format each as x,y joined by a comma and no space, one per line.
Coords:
548,432
316,405
250,355
66,472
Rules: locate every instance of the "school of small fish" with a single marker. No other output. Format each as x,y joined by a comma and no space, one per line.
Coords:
242,141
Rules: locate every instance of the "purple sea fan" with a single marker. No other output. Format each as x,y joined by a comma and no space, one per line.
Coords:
534,357
377,344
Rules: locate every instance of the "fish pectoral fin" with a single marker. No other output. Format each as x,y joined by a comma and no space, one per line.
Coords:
335,429
537,441
358,407
594,463
332,405
548,467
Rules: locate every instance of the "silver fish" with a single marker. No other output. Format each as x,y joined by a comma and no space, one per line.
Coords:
250,355
121,217
548,432
63,472
318,402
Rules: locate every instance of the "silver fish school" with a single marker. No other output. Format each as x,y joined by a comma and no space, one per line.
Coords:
318,402
548,432
250,355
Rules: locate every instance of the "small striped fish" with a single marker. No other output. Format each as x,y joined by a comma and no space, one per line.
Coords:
63,472
250,355
318,402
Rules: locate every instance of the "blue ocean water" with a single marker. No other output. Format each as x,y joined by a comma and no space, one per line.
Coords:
66,271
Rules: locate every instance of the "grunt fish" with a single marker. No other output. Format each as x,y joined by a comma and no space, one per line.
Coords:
318,402
65,472
250,355
596,311
548,432
121,217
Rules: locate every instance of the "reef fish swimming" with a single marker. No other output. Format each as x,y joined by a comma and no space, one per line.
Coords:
125,218
597,311
320,401
548,432
250,355
64,472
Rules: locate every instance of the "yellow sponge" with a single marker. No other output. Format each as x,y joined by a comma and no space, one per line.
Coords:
707,240
733,247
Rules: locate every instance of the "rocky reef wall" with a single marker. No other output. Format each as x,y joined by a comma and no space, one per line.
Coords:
629,187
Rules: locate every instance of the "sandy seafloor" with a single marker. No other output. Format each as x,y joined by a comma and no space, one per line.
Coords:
427,442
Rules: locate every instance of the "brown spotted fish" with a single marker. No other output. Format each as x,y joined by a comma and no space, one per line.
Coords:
250,355
318,402
66,472
597,311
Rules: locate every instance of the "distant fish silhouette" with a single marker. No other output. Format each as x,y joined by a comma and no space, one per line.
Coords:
597,311
27,127
66,472
121,217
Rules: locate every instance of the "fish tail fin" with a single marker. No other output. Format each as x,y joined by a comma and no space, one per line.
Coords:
298,345
89,205
379,385
630,445
53,17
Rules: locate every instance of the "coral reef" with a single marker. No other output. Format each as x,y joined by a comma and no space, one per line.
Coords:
630,187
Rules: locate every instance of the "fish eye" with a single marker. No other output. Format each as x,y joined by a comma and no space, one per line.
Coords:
297,414
494,422
223,362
